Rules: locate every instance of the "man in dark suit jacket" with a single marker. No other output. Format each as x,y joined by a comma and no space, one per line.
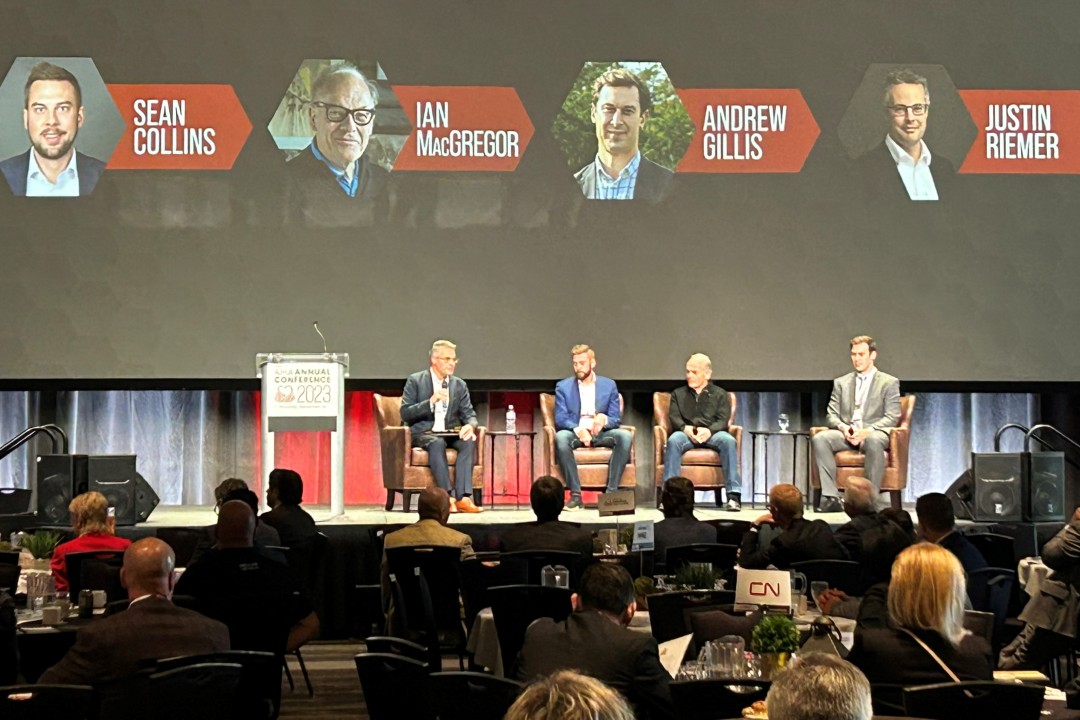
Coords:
903,163
801,539
596,641
587,414
937,524
863,408
52,116
284,493
620,106
548,532
859,506
679,526
151,628
436,401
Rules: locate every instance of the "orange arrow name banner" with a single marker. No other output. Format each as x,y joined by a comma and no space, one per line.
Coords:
463,128
1024,131
179,127
748,131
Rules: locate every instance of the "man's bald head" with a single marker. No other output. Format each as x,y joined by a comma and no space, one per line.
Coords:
148,568
434,504
786,503
236,525
859,496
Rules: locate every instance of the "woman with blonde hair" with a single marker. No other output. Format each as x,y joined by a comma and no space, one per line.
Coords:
566,695
925,641
94,530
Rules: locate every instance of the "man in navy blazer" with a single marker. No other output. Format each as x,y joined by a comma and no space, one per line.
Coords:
587,414
435,401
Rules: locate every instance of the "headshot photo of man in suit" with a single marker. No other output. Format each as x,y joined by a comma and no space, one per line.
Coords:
621,102
435,401
53,114
863,407
903,162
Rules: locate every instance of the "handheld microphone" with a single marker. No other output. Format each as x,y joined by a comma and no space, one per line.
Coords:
316,326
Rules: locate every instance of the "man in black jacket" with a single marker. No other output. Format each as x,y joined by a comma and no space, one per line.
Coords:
548,532
800,540
859,498
937,524
699,415
595,641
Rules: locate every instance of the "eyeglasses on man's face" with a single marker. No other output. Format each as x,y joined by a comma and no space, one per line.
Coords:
918,109
337,113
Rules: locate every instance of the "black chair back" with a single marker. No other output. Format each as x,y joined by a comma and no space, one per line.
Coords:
844,575
9,578
183,541
306,562
669,613
990,590
256,621
471,695
207,691
530,564
387,645
983,700
713,699
998,550
474,579
394,686
15,501
95,570
258,694
427,604
730,532
36,702
721,555
9,558
980,624
515,607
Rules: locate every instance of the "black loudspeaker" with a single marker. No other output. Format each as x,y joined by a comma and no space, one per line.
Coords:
1044,497
59,478
114,477
997,487
145,498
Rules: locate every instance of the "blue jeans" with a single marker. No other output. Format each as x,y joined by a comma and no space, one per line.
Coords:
564,455
722,442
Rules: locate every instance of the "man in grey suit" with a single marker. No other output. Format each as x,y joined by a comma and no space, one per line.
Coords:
436,402
864,406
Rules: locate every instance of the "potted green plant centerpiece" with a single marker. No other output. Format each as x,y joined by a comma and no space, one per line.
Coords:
775,638
41,545
698,576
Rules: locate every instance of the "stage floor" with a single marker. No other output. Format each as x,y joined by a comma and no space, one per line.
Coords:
199,515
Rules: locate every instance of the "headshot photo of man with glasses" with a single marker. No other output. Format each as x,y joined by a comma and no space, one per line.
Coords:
903,162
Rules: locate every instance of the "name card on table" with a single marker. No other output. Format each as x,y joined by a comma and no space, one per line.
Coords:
620,502
763,587
643,536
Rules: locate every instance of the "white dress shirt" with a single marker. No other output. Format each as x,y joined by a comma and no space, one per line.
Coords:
440,407
66,185
915,173
587,393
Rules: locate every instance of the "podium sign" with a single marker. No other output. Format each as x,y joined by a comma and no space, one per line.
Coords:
306,391
302,395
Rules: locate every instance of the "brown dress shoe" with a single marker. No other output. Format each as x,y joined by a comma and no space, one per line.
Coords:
466,505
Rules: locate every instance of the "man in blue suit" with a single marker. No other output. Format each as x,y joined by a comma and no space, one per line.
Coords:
587,414
434,401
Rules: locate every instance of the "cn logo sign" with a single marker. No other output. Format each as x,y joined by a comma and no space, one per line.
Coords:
764,589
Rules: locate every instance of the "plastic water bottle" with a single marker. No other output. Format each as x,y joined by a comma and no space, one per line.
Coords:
511,419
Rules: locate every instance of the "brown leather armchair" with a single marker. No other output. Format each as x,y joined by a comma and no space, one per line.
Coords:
592,462
700,466
849,463
404,467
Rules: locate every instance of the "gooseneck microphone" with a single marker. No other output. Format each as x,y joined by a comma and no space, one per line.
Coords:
316,326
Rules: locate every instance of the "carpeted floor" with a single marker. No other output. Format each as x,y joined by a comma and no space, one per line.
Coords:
333,675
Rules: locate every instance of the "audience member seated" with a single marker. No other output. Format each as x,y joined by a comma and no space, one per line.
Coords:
548,532
567,695
151,628
926,641
679,526
1050,617
237,489
596,641
94,530
820,686
937,524
860,500
227,580
901,518
434,509
801,539
284,494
